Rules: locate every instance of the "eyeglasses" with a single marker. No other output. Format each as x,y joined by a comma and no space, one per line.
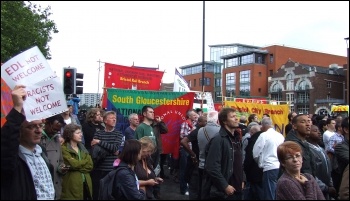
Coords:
35,126
290,158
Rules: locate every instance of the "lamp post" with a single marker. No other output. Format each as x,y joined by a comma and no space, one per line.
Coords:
203,42
346,91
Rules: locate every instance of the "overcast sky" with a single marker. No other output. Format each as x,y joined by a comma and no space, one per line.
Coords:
169,34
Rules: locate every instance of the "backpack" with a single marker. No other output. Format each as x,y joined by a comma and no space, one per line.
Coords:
107,185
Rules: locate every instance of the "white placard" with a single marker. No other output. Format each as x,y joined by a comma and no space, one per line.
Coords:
180,84
44,99
26,68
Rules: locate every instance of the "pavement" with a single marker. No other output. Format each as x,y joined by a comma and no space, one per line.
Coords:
169,189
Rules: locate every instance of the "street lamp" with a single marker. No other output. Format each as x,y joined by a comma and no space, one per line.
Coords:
346,91
203,42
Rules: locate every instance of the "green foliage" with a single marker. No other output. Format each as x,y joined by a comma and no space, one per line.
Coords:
24,25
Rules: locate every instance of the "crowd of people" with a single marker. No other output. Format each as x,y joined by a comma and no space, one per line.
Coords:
222,156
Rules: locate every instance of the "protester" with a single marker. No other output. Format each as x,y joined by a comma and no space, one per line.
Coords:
109,141
92,124
289,126
302,127
76,183
254,174
223,164
129,132
323,164
25,169
265,154
153,128
186,127
344,186
294,185
50,141
126,179
341,151
144,168
192,175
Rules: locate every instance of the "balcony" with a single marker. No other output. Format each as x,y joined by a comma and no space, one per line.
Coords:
301,101
331,100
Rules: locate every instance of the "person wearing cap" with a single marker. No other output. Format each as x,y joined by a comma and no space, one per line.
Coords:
50,141
21,155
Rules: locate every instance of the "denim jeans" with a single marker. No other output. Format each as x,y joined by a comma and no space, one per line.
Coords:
183,164
253,191
269,184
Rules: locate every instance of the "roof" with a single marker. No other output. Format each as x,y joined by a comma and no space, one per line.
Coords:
244,53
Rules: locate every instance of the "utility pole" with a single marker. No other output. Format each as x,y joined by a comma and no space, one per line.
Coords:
98,81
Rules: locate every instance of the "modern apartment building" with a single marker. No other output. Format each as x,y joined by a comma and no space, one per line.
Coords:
89,99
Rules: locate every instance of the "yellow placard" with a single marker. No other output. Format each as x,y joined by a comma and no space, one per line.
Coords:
278,113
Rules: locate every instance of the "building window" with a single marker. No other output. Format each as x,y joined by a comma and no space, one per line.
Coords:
303,85
328,96
230,84
244,83
271,58
194,83
206,81
329,84
271,72
189,83
259,90
218,96
290,97
247,59
259,74
217,82
303,98
290,82
303,109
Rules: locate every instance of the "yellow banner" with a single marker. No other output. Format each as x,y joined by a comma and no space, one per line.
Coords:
278,113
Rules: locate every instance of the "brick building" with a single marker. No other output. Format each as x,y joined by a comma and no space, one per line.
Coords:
308,88
242,71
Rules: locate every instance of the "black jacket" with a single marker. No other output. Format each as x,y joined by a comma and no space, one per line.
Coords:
341,152
89,129
251,168
16,178
158,129
219,165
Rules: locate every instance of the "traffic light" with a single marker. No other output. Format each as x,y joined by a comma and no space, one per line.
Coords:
68,80
79,83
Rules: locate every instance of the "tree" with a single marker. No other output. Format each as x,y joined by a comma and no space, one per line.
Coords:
24,25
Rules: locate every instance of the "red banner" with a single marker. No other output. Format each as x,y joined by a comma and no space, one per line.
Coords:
6,101
124,77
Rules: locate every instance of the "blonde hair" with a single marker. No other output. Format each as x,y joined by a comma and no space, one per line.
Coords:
147,142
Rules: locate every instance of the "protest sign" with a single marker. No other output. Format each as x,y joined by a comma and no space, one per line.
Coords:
44,99
278,113
26,68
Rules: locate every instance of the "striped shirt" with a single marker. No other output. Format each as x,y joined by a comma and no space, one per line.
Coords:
111,142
